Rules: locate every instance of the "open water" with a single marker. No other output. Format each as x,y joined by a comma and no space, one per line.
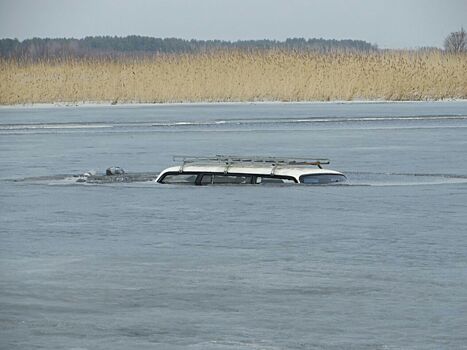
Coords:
380,263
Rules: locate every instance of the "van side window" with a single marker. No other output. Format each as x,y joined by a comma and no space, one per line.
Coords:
206,179
273,180
221,179
232,179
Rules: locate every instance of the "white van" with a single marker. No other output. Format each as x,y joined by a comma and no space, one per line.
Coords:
235,170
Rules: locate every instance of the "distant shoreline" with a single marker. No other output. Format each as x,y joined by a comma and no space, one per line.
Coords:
91,104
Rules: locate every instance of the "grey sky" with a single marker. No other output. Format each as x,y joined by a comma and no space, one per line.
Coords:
390,24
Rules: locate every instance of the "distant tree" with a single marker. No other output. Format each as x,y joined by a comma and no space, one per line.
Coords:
456,42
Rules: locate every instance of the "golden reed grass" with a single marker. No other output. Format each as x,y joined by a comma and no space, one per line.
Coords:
237,76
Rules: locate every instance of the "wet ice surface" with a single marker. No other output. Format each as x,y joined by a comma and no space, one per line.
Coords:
377,264
354,178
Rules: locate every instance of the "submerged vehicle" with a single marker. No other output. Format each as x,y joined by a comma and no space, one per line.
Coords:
225,170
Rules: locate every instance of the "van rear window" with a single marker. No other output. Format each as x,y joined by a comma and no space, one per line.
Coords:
322,179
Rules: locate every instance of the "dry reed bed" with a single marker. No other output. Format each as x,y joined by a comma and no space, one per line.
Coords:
238,76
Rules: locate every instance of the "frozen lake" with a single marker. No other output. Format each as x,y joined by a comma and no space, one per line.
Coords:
378,264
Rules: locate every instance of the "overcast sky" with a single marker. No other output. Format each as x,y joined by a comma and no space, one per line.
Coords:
390,24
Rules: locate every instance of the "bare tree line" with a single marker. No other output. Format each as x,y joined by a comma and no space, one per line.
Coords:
136,46
140,46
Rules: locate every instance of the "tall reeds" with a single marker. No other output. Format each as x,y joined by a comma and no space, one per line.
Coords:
237,76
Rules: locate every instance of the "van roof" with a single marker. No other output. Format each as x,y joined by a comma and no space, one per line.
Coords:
266,166
281,170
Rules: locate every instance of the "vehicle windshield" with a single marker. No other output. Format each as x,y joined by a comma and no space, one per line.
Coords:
322,179
179,179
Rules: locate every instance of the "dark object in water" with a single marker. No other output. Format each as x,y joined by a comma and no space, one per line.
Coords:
114,170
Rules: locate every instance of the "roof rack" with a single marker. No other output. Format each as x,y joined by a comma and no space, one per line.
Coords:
229,160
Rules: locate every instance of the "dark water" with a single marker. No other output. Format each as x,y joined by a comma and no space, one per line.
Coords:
378,264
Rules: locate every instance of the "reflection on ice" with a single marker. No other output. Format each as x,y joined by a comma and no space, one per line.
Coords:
401,179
